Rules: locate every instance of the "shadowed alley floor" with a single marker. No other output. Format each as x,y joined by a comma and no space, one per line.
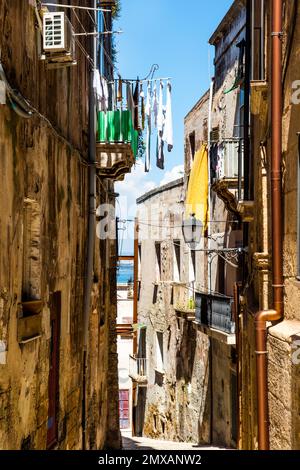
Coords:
143,443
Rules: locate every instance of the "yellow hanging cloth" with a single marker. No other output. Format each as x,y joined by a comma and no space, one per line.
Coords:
197,193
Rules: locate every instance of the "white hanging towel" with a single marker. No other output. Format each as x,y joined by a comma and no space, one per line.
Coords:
105,94
160,159
101,91
160,113
97,87
168,128
129,97
148,125
155,104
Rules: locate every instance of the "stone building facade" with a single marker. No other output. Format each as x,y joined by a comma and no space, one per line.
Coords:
190,392
44,197
282,337
169,405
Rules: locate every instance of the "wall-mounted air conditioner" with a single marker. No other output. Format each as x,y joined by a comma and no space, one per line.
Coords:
58,39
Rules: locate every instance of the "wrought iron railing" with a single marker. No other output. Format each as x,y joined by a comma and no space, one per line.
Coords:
227,161
137,367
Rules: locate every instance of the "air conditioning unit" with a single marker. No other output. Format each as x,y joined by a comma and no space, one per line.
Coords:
58,39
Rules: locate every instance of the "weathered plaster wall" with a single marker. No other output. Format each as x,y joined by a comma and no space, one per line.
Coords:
195,122
47,166
178,404
224,233
283,365
177,399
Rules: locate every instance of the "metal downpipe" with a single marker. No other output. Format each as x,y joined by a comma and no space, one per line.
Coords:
276,314
91,229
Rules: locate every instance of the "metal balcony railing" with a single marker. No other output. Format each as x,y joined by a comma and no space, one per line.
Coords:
227,171
117,144
215,311
227,159
138,369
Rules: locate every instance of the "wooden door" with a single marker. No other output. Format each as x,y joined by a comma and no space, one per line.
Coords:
124,409
53,384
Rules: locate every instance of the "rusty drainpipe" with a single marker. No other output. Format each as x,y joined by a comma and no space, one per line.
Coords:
276,314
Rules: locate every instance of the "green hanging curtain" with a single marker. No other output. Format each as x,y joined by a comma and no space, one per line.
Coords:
117,126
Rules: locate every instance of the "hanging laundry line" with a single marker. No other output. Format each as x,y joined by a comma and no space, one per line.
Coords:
97,33
130,80
148,108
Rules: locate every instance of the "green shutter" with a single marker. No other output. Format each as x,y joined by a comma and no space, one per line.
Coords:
117,126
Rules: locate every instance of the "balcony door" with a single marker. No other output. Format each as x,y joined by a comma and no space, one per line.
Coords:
53,383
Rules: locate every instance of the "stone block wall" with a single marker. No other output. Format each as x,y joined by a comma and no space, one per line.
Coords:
43,159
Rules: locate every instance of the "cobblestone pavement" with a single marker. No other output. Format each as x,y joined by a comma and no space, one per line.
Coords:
143,443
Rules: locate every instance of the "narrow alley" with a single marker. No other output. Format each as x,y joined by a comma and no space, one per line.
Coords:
149,227
144,443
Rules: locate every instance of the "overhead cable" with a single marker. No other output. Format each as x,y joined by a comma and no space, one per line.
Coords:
60,5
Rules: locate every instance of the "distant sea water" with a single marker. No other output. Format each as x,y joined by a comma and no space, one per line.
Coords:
124,273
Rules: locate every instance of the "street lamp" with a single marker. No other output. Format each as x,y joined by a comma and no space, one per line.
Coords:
192,230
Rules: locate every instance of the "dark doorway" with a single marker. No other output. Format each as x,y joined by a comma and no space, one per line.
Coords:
53,384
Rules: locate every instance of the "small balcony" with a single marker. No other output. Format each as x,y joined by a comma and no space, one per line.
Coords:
227,171
215,314
183,301
117,143
138,370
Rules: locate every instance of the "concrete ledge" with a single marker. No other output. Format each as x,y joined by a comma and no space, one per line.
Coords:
141,380
225,338
287,330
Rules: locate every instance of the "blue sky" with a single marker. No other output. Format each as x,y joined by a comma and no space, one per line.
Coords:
173,34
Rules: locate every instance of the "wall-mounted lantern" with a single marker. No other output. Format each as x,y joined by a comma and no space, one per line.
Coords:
192,230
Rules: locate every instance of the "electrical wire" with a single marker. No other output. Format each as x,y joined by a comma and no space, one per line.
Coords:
180,226
92,19
204,288
196,291
109,59
24,108
38,18
79,44
85,53
78,7
79,21
59,135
